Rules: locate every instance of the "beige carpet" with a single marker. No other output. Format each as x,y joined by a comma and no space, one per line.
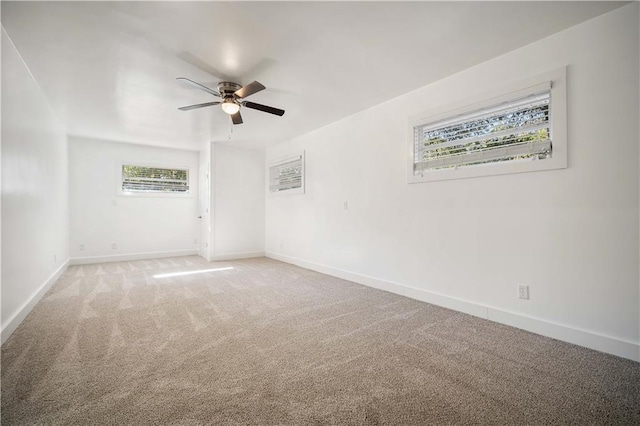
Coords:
270,343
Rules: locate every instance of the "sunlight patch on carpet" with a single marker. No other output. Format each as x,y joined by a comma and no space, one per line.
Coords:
200,271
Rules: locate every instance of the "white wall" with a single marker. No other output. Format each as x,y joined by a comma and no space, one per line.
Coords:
204,199
571,234
139,225
237,202
34,191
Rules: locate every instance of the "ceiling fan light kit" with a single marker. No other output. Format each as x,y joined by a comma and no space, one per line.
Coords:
232,95
230,106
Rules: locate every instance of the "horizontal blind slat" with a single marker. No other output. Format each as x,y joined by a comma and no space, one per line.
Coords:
490,136
526,148
488,111
486,127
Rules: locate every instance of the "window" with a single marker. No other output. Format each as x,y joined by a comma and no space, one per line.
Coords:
511,133
145,179
287,175
515,130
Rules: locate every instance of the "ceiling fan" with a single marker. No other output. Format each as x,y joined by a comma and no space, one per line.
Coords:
232,95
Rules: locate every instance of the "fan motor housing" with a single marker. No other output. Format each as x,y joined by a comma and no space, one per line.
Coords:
227,88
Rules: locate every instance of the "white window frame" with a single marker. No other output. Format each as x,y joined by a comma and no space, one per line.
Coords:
120,192
282,160
558,130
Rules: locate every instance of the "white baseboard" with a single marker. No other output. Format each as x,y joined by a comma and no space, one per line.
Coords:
236,256
588,339
131,256
24,310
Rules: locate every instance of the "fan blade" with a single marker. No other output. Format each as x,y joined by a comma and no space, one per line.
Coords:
249,89
187,108
236,118
198,86
263,108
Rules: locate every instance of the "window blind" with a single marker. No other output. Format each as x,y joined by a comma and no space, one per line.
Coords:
286,175
154,179
515,130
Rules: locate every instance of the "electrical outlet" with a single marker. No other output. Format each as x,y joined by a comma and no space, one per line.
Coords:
523,291
55,258
81,246
114,246
346,205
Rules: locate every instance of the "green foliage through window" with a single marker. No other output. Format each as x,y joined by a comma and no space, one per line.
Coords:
154,179
517,130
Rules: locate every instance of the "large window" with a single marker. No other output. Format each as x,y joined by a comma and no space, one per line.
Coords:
286,176
145,179
505,134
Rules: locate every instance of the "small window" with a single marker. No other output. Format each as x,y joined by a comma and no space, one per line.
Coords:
143,179
505,135
515,130
287,175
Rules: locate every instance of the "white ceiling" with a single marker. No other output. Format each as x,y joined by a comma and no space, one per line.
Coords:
109,68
